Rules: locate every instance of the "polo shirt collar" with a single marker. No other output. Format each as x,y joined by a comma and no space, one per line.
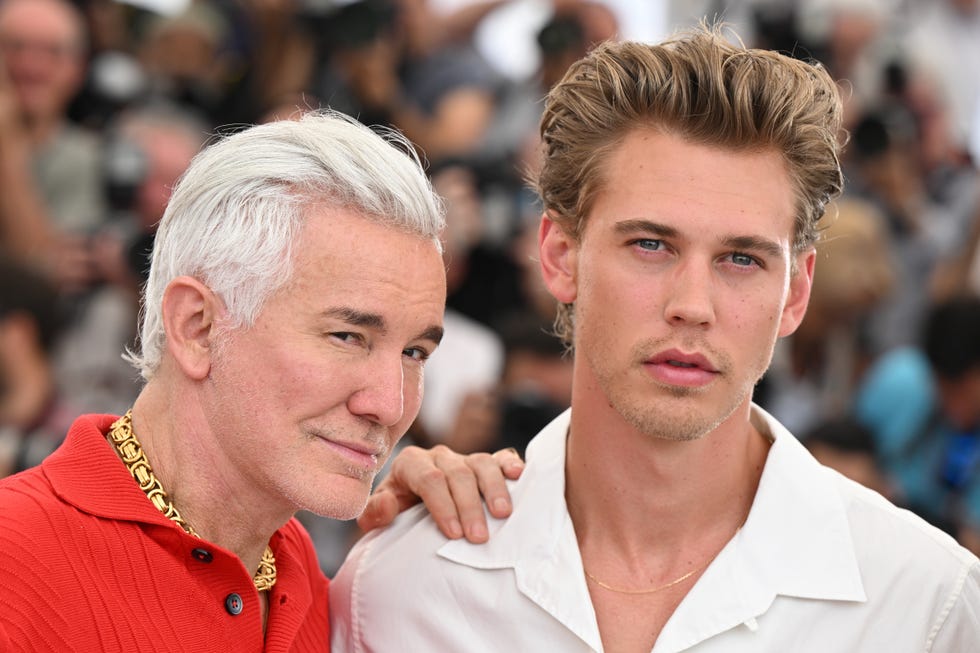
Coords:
86,473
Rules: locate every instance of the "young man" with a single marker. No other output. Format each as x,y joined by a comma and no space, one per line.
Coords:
682,184
295,290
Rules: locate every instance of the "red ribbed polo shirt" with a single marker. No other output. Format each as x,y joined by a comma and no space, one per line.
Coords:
88,564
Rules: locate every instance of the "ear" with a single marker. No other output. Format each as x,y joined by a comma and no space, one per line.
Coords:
800,285
559,260
190,313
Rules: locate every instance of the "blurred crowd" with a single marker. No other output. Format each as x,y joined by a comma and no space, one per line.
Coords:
103,103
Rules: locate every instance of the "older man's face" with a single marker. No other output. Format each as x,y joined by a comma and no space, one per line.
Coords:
307,404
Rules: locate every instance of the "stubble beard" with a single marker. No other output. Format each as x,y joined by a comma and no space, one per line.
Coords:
326,500
665,412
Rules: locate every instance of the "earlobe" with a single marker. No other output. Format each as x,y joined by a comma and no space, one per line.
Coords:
800,285
190,312
558,251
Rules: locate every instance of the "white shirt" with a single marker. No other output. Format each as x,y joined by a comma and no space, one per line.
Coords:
821,565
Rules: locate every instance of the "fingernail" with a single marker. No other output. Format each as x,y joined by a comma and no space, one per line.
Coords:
501,505
455,530
478,532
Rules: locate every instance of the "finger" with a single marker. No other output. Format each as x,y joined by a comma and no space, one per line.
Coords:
461,474
416,474
491,478
510,462
381,510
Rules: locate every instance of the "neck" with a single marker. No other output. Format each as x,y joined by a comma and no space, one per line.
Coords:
38,129
636,496
216,500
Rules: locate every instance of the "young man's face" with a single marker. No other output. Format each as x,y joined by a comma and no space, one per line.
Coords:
309,401
681,282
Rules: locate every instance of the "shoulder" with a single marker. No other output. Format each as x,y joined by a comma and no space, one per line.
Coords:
407,546
24,499
900,554
873,518
360,596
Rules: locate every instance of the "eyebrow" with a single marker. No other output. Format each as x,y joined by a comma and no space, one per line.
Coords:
625,227
377,322
355,317
747,243
433,333
755,244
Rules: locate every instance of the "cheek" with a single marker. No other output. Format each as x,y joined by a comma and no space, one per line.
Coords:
413,392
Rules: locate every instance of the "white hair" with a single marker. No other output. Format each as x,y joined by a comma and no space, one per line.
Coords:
237,210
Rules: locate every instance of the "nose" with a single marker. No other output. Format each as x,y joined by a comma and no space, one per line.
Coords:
689,295
381,397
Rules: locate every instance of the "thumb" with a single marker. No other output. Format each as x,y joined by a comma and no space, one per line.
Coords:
381,510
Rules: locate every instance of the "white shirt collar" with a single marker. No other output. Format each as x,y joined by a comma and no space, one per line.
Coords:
796,542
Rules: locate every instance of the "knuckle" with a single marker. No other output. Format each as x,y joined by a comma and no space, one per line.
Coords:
432,477
480,459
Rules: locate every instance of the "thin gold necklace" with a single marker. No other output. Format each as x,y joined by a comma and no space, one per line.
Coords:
659,588
123,438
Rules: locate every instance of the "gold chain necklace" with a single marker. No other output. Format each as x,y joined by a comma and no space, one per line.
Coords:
659,588
123,438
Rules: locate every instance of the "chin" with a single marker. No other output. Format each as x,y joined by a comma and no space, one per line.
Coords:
341,499
340,510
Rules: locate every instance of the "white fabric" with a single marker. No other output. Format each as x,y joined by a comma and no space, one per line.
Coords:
822,564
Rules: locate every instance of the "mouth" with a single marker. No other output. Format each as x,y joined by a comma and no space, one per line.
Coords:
361,454
674,367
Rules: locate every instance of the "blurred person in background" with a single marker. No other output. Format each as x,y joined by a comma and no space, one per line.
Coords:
922,227
815,371
397,62
923,406
844,444
49,168
33,414
147,150
466,368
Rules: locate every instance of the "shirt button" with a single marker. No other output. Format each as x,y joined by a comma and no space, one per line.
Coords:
202,555
234,604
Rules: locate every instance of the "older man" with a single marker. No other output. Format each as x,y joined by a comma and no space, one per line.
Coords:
295,291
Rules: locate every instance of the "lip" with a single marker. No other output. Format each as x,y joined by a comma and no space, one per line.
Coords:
674,367
359,454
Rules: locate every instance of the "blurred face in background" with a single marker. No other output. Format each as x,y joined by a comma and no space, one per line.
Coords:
41,44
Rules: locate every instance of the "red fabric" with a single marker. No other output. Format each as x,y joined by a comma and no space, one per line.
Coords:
88,564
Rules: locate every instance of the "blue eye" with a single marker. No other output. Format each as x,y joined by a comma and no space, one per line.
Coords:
649,244
347,337
743,260
416,354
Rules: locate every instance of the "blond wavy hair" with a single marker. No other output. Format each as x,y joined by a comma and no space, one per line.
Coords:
702,87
